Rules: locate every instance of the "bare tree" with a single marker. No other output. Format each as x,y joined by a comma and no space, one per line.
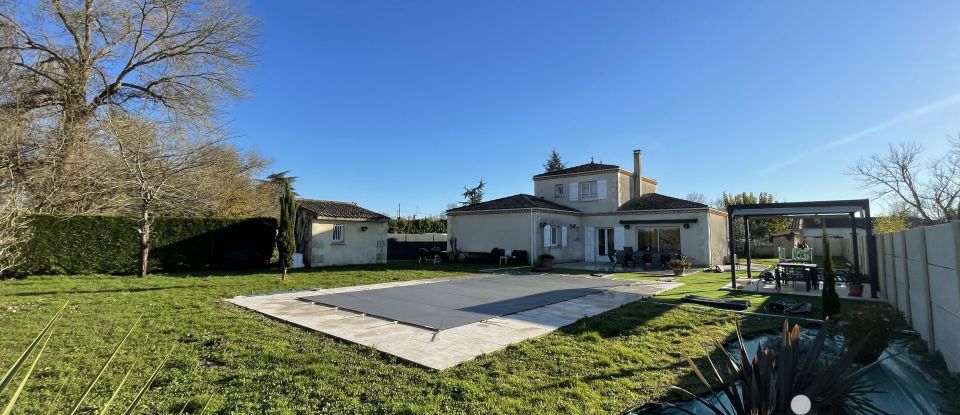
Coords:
697,197
66,61
14,229
928,189
161,166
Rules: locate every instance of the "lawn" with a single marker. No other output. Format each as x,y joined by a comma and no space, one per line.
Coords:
252,364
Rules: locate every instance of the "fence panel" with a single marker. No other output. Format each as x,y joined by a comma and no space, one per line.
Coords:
921,274
919,295
943,243
901,282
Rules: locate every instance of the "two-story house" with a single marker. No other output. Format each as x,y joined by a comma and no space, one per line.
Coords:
583,213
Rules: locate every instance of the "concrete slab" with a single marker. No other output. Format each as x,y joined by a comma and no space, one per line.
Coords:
444,348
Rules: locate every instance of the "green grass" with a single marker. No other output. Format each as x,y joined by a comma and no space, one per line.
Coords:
250,363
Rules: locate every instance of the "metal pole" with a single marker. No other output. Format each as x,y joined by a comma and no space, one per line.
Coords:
856,244
746,243
733,265
871,251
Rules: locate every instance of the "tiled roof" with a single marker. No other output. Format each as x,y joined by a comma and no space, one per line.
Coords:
656,201
521,201
583,168
344,210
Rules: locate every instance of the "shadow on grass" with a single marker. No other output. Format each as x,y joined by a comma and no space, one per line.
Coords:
109,290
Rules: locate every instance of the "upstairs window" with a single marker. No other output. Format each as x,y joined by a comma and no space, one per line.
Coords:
338,234
558,190
588,191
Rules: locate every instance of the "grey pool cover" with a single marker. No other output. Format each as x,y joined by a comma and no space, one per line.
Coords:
446,304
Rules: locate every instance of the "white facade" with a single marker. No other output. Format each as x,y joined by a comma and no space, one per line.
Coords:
346,242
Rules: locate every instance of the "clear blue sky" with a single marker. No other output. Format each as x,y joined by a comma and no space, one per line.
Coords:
387,102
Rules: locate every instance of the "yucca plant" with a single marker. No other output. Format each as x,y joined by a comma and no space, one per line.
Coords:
766,384
41,340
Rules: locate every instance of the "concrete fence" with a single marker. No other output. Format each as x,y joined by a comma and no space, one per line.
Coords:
418,237
919,273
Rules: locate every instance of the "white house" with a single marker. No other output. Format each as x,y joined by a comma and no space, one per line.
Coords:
585,212
340,233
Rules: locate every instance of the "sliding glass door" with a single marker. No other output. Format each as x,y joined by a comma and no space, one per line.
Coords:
658,239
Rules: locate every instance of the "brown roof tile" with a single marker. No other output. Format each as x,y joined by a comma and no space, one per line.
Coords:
344,210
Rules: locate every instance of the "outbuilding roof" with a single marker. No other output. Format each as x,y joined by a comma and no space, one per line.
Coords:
339,210
656,201
520,201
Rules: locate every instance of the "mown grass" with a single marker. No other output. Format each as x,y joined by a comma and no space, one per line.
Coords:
252,364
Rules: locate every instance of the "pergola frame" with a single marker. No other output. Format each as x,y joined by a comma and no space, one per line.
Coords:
815,209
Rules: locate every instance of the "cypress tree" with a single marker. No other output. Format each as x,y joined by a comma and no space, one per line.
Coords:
831,301
286,238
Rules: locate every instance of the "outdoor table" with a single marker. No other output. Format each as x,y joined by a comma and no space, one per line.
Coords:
809,271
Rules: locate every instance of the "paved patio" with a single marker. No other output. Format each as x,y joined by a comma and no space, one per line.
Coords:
444,348
796,288
609,268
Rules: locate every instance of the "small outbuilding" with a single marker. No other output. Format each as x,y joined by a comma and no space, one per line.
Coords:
340,233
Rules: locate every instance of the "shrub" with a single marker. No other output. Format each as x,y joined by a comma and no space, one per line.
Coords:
877,326
679,263
80,244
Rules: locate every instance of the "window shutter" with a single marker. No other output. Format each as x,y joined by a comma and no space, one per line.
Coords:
601,189
546,236
574,191
563,235
588,248
618,238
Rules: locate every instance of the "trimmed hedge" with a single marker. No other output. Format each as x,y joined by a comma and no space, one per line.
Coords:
83,244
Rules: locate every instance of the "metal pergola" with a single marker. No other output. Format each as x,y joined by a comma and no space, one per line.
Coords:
804,210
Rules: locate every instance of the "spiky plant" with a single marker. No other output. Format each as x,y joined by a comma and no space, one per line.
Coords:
766,384
41,340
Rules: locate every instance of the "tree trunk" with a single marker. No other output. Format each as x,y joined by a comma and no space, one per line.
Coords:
144,223
283,274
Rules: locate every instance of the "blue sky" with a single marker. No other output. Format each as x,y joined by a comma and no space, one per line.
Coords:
387,102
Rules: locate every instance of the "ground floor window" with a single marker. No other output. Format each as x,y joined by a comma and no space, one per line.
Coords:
658,239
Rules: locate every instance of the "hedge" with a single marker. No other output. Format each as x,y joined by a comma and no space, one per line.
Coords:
83,244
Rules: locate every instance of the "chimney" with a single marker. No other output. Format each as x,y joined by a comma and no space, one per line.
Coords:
637,174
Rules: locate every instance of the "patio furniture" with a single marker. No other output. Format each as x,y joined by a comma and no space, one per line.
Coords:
782,254
797,271
505,259
803,254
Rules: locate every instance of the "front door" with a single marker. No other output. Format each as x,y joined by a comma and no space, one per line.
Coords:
605,243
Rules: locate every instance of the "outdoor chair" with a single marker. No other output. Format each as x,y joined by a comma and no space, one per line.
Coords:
782,254
803,255
505,258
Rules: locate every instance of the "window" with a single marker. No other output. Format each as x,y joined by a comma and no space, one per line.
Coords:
551,236
558,190
588,191
338,234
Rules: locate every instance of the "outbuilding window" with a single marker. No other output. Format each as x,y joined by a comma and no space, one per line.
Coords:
338,233
558,190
